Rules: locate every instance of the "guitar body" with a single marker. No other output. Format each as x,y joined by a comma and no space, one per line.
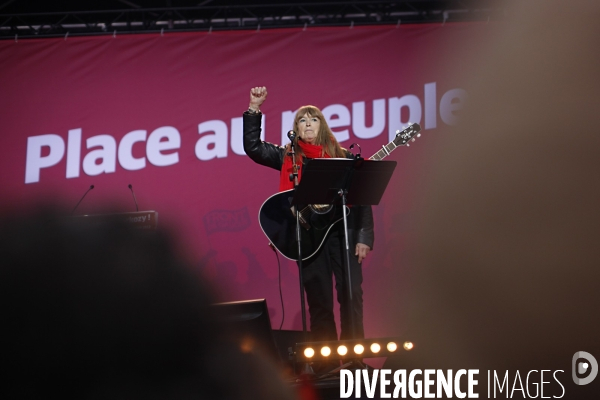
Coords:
278,221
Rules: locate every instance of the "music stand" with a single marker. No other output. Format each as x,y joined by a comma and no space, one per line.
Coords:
343,181
365,181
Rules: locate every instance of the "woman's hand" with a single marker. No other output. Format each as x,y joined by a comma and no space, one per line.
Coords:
257,97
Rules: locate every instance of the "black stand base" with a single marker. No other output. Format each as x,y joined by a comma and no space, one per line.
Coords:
307,373
356,364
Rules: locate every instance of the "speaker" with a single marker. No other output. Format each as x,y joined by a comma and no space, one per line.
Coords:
247,324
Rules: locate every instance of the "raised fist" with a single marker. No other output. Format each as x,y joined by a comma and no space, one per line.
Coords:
257,97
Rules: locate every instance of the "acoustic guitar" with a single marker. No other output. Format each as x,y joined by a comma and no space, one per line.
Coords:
277,215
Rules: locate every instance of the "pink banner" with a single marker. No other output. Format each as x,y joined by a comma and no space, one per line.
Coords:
163,113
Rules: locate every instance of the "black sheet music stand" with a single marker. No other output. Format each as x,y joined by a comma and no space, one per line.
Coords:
365,181
343,181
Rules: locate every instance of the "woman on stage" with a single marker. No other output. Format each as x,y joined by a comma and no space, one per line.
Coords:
314,139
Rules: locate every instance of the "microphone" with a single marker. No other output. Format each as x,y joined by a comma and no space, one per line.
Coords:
87,191
291,135
134,199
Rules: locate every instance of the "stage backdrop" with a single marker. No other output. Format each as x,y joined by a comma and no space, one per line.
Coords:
163,113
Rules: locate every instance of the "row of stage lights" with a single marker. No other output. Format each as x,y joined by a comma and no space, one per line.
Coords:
312,351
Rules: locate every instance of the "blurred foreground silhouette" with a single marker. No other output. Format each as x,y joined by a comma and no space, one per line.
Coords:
507,258
112,312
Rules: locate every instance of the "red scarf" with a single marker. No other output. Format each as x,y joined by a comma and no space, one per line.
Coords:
310,151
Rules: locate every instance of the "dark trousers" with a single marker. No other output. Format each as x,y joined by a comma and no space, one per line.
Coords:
318,273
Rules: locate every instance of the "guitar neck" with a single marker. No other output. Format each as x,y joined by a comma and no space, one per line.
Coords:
384,152
402,138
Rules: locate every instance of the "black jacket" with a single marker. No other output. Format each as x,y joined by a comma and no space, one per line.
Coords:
360,220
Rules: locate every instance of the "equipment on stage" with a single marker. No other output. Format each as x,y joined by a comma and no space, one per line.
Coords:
139,219
247,324
277,216
147,220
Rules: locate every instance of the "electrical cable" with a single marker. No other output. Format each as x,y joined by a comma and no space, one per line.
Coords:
280,292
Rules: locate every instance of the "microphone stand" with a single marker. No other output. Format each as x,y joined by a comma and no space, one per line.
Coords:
134,199
82,197
352,363
343,193
307,371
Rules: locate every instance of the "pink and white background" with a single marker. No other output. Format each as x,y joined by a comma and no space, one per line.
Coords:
163,113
